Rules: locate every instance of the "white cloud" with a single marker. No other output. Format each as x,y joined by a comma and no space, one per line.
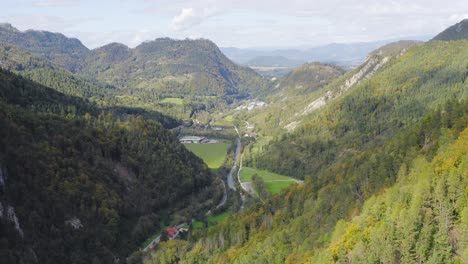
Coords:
185,19
190,17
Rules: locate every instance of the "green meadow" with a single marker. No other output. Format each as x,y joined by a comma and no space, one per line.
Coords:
274,182
212,154
213,219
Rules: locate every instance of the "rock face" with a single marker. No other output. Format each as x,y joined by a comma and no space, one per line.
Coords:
74,222
7,213
374,62
370,67
3,176
456,32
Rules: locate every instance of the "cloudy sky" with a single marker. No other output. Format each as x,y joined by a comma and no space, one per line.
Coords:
235,23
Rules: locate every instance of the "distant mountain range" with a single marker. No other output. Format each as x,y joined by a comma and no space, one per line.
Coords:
273,61
343,54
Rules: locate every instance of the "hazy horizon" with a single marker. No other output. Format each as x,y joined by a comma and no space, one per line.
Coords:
240,24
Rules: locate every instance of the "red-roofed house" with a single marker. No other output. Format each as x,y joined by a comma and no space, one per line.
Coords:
172,232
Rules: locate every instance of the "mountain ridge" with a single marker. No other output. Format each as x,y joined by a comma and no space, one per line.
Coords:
455,32
192,66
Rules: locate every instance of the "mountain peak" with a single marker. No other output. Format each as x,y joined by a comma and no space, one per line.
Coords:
455,32
9,27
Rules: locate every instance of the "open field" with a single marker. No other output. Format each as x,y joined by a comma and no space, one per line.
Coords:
212,154
275,183
171,100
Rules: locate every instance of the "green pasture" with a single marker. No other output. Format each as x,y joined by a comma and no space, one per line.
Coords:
212,154
274,182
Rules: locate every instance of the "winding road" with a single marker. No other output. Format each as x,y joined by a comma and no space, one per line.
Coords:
230,180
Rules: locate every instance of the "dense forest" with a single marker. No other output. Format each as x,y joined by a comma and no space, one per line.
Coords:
79,184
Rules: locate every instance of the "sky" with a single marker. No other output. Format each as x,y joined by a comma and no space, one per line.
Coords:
235,23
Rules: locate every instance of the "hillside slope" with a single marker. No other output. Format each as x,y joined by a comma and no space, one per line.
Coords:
81,185
290,107
310,77
398,95
64,51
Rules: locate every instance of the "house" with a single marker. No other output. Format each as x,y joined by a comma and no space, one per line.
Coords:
217,128
191,139
172,232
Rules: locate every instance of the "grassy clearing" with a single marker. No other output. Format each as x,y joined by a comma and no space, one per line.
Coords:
212,154
247,173
172,100
274,182
278,186
198,225
215,219
212,219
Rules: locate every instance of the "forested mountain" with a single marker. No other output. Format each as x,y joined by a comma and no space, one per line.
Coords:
298,95
455,32
64,51
384,163
167,67
16,59
160,68
310,77
374,110
45,72
79,184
